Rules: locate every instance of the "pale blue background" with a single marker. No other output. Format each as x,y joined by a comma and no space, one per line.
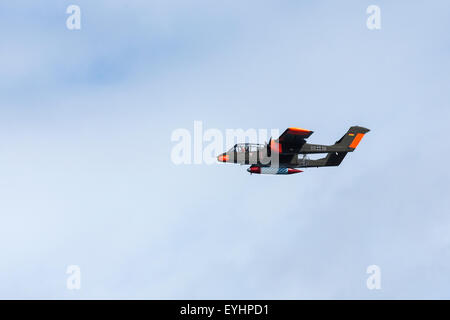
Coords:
85,172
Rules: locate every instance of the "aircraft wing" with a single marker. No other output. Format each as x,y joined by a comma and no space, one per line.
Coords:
291,140
294,137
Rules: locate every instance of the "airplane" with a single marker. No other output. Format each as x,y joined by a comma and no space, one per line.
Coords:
289,152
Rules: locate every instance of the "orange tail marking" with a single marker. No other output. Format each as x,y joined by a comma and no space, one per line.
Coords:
356,140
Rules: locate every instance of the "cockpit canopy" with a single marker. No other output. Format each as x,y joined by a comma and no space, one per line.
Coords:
246,147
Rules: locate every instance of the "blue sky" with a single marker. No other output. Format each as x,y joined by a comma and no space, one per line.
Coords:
86,176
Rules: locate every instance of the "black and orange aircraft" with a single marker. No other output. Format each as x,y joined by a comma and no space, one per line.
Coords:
290,150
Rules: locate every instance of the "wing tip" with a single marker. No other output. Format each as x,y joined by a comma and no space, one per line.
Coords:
295,129
299,132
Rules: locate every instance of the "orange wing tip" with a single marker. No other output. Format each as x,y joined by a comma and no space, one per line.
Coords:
356,140
300,130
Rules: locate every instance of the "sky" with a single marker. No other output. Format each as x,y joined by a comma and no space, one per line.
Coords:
87,179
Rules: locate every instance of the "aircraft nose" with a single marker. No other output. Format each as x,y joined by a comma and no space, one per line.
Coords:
222,158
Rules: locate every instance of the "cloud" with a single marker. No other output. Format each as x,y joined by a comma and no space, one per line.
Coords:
85,159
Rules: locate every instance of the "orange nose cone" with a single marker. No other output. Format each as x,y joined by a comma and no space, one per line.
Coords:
223,158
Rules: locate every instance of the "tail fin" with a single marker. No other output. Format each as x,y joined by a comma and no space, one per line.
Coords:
349,141
352,138
339,150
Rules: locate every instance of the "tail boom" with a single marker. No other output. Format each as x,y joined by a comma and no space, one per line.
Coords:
338,151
